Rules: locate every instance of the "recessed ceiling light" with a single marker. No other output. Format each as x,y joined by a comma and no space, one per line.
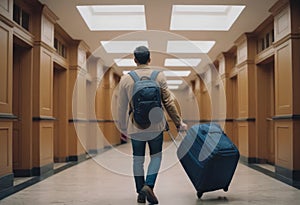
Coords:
177,73
173,87
125,62
122,46
204,17
113,17
189,46
170,73
174,82
174,62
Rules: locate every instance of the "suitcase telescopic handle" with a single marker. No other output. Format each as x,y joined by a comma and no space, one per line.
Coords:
173,138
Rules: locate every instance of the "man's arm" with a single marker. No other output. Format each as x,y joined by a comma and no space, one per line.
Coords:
122,107
169,103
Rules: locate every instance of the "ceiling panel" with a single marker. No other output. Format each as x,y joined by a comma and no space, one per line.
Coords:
158,32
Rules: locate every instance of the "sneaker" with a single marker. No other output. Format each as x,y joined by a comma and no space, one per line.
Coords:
150,196
141,198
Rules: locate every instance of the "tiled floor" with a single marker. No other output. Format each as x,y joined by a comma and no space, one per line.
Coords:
105,180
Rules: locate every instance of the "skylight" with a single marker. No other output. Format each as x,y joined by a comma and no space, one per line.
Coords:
177,73
174,62
173,87
204,17
113,17
122,46
189,46
170,73
174,82
125,62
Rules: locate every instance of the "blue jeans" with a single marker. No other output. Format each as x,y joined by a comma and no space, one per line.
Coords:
155,142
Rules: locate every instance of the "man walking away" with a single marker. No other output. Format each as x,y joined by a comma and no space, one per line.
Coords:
145,123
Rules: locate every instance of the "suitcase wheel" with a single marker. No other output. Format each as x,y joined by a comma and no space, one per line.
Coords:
225,189
199,194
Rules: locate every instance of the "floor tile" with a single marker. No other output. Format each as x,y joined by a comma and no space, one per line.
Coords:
106,180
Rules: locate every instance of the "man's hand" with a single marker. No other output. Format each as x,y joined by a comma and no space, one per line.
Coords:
182,127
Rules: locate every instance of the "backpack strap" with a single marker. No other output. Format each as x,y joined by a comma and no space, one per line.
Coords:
134,76
154,75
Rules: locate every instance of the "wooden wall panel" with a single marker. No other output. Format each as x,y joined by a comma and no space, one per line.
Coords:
102,127
228,89
5,148
222,101
296,143
47,34
76,135
251,87
186,104
296,74
82,58
80,97
283,80
214,97
206,106
295,16
77,108
105,91
261,113
252,140
77,94
71,91
60,113
282,24
17,148
81,135
242,52
111,133
222,65
229,130
243,138
197,93
35,144
81,138
6,69
26,106
46,143
72,140
6,8
46,84
283,142
243,93
205,102
95,138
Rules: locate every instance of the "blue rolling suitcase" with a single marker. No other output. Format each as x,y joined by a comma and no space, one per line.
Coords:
209,157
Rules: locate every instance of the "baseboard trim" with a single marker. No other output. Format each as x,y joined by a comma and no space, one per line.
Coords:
38,171
77,158
6,181
290,177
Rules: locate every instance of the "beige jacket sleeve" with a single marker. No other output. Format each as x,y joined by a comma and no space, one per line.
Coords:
122,105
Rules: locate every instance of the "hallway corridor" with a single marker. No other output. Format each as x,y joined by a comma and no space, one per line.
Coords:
91,184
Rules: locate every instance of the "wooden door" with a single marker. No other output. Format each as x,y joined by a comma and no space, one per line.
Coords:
270,113
235,108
